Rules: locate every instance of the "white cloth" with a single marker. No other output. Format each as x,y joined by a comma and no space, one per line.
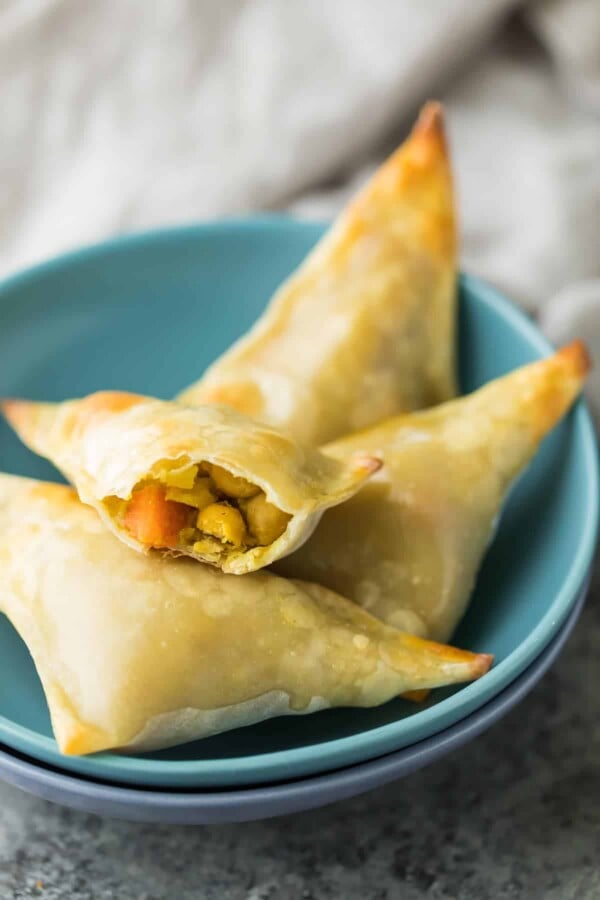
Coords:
126,114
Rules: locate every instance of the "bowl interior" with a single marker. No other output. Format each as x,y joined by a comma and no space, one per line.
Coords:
147,314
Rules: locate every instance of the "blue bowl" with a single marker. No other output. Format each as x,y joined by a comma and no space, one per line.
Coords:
147,313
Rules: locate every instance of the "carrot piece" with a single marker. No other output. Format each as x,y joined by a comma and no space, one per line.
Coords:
152,519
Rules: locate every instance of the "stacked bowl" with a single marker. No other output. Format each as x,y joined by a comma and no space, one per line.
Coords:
140,313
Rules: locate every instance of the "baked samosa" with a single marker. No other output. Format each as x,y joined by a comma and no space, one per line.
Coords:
407,547
206,482
141,653
364,329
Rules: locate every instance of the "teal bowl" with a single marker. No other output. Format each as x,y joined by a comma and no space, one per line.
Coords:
147,313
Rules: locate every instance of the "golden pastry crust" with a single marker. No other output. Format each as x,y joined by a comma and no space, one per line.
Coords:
129,457
365,328
407,548
140,653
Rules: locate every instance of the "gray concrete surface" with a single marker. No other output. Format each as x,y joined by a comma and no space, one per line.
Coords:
514,814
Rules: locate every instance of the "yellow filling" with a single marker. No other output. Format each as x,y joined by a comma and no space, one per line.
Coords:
199,494
265,522
231,485
203,507
178,478
224,522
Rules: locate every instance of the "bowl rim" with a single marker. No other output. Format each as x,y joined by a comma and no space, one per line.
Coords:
334,752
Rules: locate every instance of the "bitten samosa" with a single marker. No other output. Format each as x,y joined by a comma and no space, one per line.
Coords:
206,482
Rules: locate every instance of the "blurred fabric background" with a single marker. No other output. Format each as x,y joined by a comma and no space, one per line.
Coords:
123,114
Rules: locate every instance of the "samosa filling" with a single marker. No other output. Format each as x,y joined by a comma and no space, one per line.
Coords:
203,508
